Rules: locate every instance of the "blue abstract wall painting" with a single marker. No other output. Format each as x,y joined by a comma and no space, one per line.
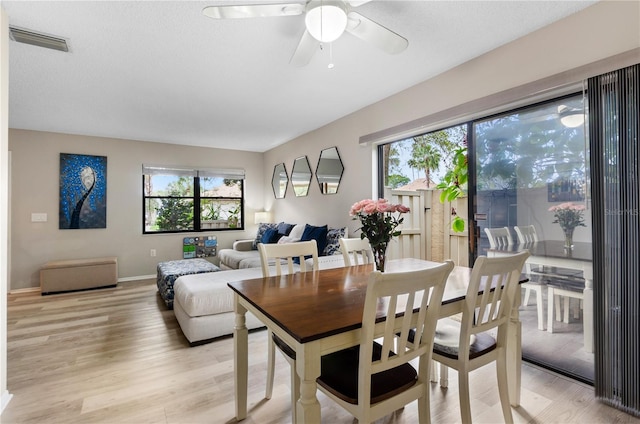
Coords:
83,191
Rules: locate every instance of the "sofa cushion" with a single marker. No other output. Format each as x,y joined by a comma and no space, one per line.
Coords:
284,228
262,227
208,294
296,232
319,234
232,258
286,239
333,241
271,235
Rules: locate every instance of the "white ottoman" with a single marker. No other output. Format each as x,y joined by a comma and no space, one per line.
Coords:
203,304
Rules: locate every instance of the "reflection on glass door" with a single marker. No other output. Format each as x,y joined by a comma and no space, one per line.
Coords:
531,175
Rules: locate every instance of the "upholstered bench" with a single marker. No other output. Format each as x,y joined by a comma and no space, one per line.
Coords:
78,274
204,304
170,271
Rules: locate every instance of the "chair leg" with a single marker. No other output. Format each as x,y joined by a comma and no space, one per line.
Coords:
295,390
540,308
550,298
444,376
434,372
558,308
424,411
566,310
527,293
465,400
271,364
503,389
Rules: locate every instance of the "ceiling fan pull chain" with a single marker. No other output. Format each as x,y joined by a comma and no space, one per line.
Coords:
331,65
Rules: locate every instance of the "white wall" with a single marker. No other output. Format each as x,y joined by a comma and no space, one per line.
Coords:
35,188
598,32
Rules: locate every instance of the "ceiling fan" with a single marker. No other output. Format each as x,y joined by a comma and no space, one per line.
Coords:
325,20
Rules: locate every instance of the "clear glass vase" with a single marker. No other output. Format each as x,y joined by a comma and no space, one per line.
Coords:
568,238
380,255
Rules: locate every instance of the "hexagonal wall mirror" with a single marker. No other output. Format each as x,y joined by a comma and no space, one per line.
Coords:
279,181
329,171
301,176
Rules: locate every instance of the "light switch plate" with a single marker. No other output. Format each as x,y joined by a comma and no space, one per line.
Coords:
38,217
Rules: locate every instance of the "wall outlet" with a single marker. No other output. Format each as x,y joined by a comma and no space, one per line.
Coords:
38,217
153,252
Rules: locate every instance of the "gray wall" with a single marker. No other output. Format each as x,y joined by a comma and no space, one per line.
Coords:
35,188
578,40
560,48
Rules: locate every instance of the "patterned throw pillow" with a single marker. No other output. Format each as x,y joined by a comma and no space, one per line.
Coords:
262,227
333,241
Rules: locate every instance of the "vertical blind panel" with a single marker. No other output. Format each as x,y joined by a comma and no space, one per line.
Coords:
614,127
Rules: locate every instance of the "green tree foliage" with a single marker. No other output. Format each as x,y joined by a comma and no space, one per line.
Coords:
176,213
397,180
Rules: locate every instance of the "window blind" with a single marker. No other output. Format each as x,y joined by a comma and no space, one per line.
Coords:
614,126
226,173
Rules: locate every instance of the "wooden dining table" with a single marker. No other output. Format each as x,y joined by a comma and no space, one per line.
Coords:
319,312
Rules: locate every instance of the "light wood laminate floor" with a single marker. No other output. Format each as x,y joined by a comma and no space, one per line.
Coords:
118,356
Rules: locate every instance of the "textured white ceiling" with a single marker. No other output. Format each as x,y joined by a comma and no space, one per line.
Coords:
161,71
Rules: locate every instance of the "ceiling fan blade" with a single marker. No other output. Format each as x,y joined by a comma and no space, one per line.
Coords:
305,50
253,11
356,3
374,33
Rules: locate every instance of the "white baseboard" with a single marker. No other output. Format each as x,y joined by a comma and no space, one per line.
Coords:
138,277
4,401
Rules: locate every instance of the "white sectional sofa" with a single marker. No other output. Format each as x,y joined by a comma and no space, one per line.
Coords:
203,303
244,253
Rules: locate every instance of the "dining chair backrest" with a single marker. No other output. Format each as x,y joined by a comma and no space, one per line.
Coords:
289,254
385,378
499,278
499,237
487,310
355,251
526,234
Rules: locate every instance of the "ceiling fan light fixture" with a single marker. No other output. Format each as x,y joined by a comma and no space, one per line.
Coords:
325,20
570,117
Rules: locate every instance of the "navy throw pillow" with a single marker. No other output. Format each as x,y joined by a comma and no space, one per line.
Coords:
284,228
270,236
319,234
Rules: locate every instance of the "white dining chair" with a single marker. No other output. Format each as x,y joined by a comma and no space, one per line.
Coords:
356,250
372,380
499,237
469,344
272,259
526,234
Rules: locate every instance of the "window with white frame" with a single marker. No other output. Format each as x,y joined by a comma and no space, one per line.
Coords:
183,199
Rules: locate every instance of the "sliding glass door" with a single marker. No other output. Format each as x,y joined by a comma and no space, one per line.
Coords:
531,170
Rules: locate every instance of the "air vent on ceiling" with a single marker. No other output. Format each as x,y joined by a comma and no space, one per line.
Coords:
38,39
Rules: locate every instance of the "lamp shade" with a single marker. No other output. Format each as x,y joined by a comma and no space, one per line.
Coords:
326,21
261,217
